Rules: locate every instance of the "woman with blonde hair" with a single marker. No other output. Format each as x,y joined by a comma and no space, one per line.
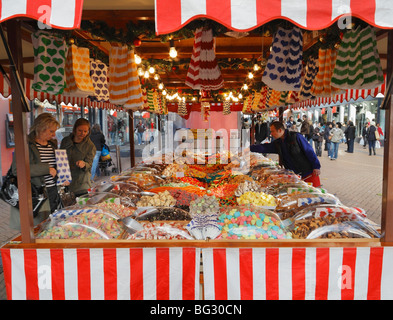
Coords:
80,151
43,171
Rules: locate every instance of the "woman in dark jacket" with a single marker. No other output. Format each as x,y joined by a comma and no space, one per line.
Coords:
80,152
371,137
350,136
97,137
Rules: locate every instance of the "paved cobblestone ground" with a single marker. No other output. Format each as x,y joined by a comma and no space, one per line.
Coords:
355,178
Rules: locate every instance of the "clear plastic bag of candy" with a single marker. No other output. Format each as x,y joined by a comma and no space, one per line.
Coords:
90,222
292,201
281,189
310,219
344,230
161,213
159,199
94,198
170,230
251,222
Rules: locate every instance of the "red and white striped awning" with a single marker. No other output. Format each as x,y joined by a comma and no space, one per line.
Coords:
5,91
61,14
245,15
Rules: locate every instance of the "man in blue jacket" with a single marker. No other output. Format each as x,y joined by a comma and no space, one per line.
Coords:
294,151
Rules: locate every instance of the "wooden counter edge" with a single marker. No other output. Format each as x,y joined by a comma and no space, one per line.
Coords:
43,244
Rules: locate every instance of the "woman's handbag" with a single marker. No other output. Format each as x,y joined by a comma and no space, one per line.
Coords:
377,137
9,193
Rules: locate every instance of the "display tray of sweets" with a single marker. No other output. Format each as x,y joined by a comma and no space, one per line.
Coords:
161,230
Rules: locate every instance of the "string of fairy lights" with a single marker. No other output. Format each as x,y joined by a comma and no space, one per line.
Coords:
148,72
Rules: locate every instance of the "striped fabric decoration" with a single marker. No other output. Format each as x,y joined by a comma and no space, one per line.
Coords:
192,79
124,85
308,79
358,65
97,274
77,72
322,82
209,72
355,273
246,15
204,72
284,66
58,14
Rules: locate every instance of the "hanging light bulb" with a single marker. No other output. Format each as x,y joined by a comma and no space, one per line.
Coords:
160,86
156,76
140,72
138,59
146,74
245,87
172,50
152,70
240,96
164,92
250,75
256,67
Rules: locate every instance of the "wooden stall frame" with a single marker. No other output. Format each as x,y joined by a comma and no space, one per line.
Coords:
27,241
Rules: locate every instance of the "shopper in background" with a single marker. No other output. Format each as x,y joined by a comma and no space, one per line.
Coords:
98,138
371,138
140,129
380,131
81,152
291,124
350,134
43,171
305,128
336,136
326,135
364,134
318,139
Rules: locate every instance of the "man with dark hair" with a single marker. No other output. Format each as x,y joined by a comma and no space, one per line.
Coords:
294,151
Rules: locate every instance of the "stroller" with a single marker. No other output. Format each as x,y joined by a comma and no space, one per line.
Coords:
105,161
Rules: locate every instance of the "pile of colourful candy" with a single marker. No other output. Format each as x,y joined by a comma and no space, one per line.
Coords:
243,223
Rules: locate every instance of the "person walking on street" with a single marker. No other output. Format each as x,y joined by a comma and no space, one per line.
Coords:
371,138
318,139
305,128
294,152
326,135
380,131
350,136
336,135
364,134
140,129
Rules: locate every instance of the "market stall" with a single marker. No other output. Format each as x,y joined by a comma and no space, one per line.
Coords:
258,230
